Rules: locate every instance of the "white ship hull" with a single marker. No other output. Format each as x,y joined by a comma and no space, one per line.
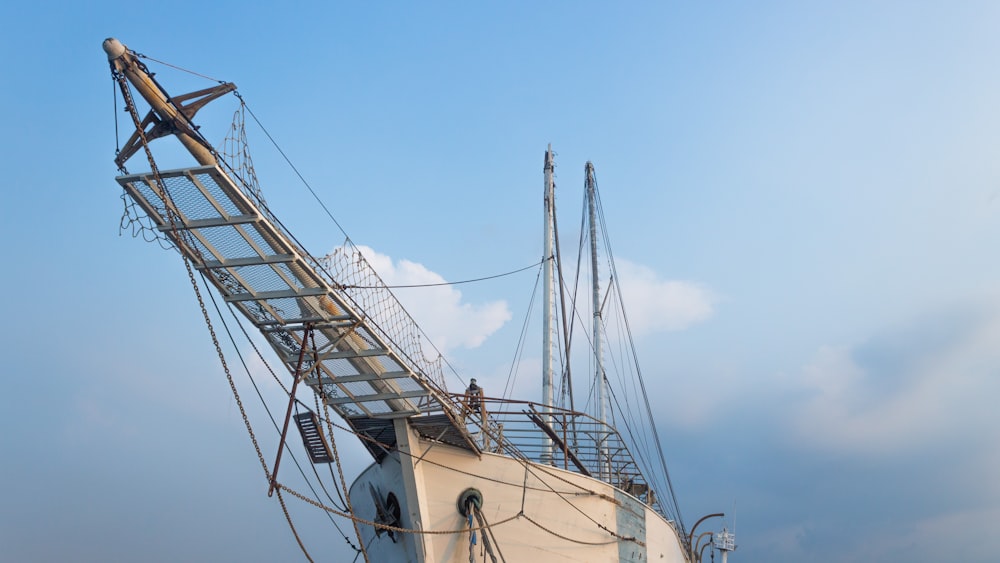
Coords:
549,483
535,512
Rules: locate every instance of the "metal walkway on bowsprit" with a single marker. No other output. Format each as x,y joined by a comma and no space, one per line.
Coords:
354,361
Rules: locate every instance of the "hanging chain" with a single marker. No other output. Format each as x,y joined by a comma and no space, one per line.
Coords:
114,96
346,497
174,222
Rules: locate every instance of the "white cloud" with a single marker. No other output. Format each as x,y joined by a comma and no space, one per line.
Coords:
656,304
440,311
923,394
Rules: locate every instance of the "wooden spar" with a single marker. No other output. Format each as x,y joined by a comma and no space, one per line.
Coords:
125,62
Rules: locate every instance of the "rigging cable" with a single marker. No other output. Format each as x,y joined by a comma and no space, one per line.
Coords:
294,169
346,505
304,182
346,497
344,232
208,321
347,241
487,534
334,447
651,425
182,69
517,271
232,384
512,452
668,484
519,349
567,376
630,412
472,534
269,414
169,207
631,424
642,383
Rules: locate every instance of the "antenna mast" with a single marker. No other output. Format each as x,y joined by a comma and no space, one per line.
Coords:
725,541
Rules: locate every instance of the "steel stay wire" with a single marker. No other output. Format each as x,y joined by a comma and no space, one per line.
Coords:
634,357
485,278
346,503
309,187
633,354
169,208
531,468
642,383
514,453
335,222
264,403
271,416
281,384
519,348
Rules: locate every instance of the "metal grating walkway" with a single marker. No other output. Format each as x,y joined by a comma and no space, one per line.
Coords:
256,266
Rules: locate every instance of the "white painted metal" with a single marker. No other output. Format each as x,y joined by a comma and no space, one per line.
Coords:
566,515
600,386
537,512
540,512
724,541
548,299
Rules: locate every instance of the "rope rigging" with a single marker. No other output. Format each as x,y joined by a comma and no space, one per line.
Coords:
238,162
169,207
487,533
628,341
615,279
349,513
175,67
261,397
484,526
493,277
519,348
239,165
274,422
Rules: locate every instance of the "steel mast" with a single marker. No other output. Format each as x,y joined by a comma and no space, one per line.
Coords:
548,301
599,384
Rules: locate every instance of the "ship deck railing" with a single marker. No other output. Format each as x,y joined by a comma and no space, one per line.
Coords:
559,437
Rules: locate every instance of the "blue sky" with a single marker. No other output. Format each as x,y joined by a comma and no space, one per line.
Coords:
822,177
